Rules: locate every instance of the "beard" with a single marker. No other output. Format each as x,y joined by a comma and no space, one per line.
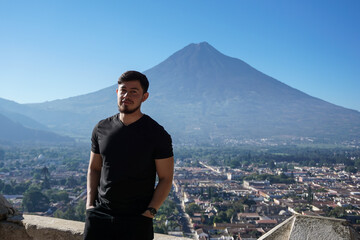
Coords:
126,110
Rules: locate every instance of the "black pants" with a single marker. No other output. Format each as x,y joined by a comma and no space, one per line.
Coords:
100,225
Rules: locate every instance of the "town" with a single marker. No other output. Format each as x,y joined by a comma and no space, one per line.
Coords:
240,200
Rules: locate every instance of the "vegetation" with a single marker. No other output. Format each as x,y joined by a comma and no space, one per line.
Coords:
267,156
282,178
192,208
35,201
166,218
71,212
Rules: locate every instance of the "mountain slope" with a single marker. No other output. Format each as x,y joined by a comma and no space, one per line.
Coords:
12,132
221,96
202,96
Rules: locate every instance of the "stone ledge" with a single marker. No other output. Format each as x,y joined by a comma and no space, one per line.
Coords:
33,227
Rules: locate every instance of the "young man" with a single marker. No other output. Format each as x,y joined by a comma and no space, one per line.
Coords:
127,151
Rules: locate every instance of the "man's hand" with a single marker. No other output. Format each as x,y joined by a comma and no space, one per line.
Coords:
89,207
147,214
93,178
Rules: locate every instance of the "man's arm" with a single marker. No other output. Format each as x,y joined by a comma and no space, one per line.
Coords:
93,178
165,172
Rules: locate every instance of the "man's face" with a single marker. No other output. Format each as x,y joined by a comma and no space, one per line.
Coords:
130,96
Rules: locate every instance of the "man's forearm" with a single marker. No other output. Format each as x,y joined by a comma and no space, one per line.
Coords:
93,179
161,192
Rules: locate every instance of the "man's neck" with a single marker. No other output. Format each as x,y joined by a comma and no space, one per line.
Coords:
128,119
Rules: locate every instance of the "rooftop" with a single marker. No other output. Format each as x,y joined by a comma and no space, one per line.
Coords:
300,227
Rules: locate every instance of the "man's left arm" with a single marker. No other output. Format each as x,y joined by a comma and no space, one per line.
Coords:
165,172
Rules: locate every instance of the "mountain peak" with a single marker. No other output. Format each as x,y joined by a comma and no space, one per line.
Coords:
193,58
200,45
202,48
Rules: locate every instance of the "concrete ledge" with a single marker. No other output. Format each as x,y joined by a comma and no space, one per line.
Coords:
32,227
41,228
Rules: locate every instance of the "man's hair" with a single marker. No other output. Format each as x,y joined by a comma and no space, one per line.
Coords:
135,76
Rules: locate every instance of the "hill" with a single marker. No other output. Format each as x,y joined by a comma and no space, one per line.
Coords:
13,132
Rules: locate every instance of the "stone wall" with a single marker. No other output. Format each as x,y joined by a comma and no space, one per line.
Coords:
32,227
14,226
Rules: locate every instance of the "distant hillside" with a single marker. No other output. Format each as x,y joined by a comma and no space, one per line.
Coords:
12,132
202,96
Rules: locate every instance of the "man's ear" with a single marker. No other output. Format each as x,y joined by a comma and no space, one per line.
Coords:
145,96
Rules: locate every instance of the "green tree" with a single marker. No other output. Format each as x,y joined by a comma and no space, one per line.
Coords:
80,210
337,212
221,217
76,213
192,208
310,195
46,177
57,196
351,169
272,165
71,182
8,189
68,214
35,201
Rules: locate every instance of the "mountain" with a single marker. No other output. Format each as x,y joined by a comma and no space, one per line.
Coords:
217,96
12,110
203,96
13,132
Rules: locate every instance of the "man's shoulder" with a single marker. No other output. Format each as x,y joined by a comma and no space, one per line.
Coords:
152,123
107,121
154,126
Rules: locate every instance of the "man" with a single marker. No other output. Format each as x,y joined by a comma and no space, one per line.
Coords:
127,151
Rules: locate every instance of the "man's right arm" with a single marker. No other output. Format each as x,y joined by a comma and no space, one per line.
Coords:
93,178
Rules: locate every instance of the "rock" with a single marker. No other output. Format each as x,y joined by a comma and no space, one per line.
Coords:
15,219
6,209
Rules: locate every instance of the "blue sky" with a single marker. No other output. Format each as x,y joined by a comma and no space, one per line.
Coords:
58,49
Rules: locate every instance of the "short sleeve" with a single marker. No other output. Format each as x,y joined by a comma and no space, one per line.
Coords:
163,146
94,140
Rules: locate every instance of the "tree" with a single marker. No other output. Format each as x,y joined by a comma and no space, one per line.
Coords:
337,212
71,182
57,196
351,169
310,195
71,212
46,174
35,201
221,217
80,210
192,208
272,165
234,163
249,202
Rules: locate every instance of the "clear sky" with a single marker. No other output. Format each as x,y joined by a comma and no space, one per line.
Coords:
57,49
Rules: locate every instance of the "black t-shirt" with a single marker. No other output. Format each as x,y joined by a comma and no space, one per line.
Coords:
128,169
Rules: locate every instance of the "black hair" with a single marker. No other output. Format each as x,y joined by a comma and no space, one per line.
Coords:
135,76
